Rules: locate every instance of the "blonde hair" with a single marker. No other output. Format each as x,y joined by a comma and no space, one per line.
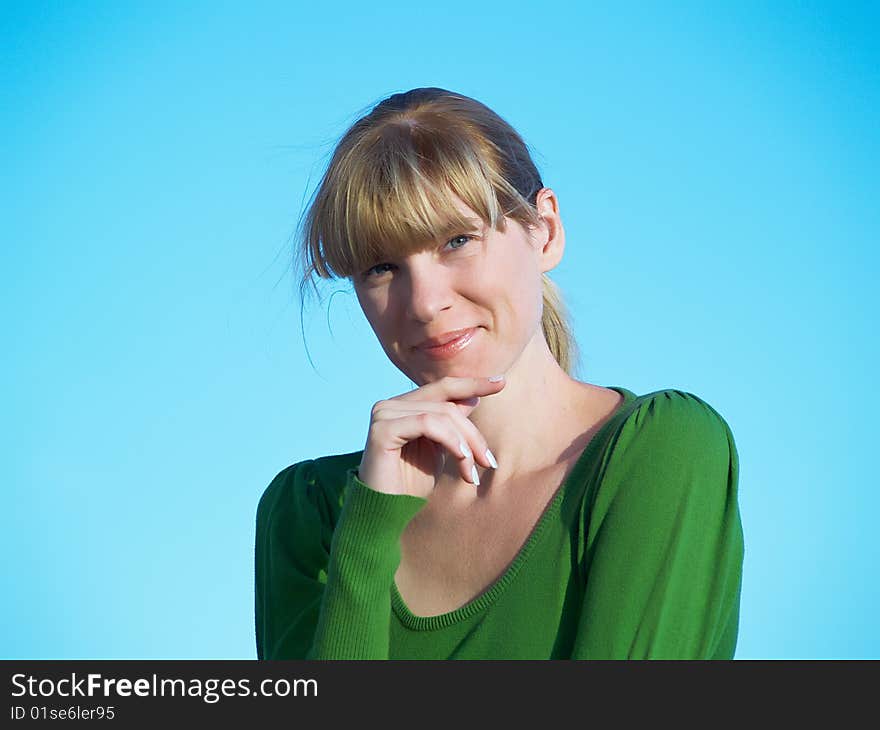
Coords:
389,187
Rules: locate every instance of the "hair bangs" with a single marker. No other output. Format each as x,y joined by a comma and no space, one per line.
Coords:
402,195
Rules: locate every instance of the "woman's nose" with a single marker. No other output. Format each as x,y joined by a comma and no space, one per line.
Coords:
429,292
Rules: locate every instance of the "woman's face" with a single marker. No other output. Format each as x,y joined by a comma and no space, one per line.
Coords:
479,280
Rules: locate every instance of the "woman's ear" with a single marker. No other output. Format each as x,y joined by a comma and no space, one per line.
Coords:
551,234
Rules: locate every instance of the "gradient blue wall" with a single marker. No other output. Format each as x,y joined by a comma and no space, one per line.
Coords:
717,172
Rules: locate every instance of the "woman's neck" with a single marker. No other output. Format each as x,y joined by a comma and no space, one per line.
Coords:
533,422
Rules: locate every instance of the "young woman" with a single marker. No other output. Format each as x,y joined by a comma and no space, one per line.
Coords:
503,509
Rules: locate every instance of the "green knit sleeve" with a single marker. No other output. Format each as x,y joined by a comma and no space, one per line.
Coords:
664,541
322,575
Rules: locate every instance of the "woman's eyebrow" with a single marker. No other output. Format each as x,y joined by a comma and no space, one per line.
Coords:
470,225
476,224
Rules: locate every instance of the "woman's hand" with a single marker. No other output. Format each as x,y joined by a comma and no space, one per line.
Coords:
410,433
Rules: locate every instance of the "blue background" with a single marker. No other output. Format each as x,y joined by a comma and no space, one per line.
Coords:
716,167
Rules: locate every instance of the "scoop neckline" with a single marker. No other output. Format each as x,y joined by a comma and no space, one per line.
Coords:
487,597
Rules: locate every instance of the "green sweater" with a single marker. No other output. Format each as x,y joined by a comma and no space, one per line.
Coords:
638,555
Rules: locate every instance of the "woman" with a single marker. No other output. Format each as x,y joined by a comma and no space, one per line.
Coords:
502,509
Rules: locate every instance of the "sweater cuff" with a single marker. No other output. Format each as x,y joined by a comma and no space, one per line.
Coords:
374,520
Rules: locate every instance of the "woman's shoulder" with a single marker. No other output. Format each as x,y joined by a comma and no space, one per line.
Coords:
670,464
673,400
307,487
672,424
674,409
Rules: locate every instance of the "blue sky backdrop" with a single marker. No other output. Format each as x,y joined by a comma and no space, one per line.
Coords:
716,166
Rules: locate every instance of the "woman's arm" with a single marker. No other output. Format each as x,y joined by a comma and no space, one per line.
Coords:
664,540
322,591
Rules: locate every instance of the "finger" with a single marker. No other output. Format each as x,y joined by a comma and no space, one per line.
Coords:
398,432
455,388
393,405
474,438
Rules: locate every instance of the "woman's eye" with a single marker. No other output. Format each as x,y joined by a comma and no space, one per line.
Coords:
369,272
376,270
457,238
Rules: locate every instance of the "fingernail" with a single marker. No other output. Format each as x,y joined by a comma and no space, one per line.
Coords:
475,478
465,451
491,457
496,378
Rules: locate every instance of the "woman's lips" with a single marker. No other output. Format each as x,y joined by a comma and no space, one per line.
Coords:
451,348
